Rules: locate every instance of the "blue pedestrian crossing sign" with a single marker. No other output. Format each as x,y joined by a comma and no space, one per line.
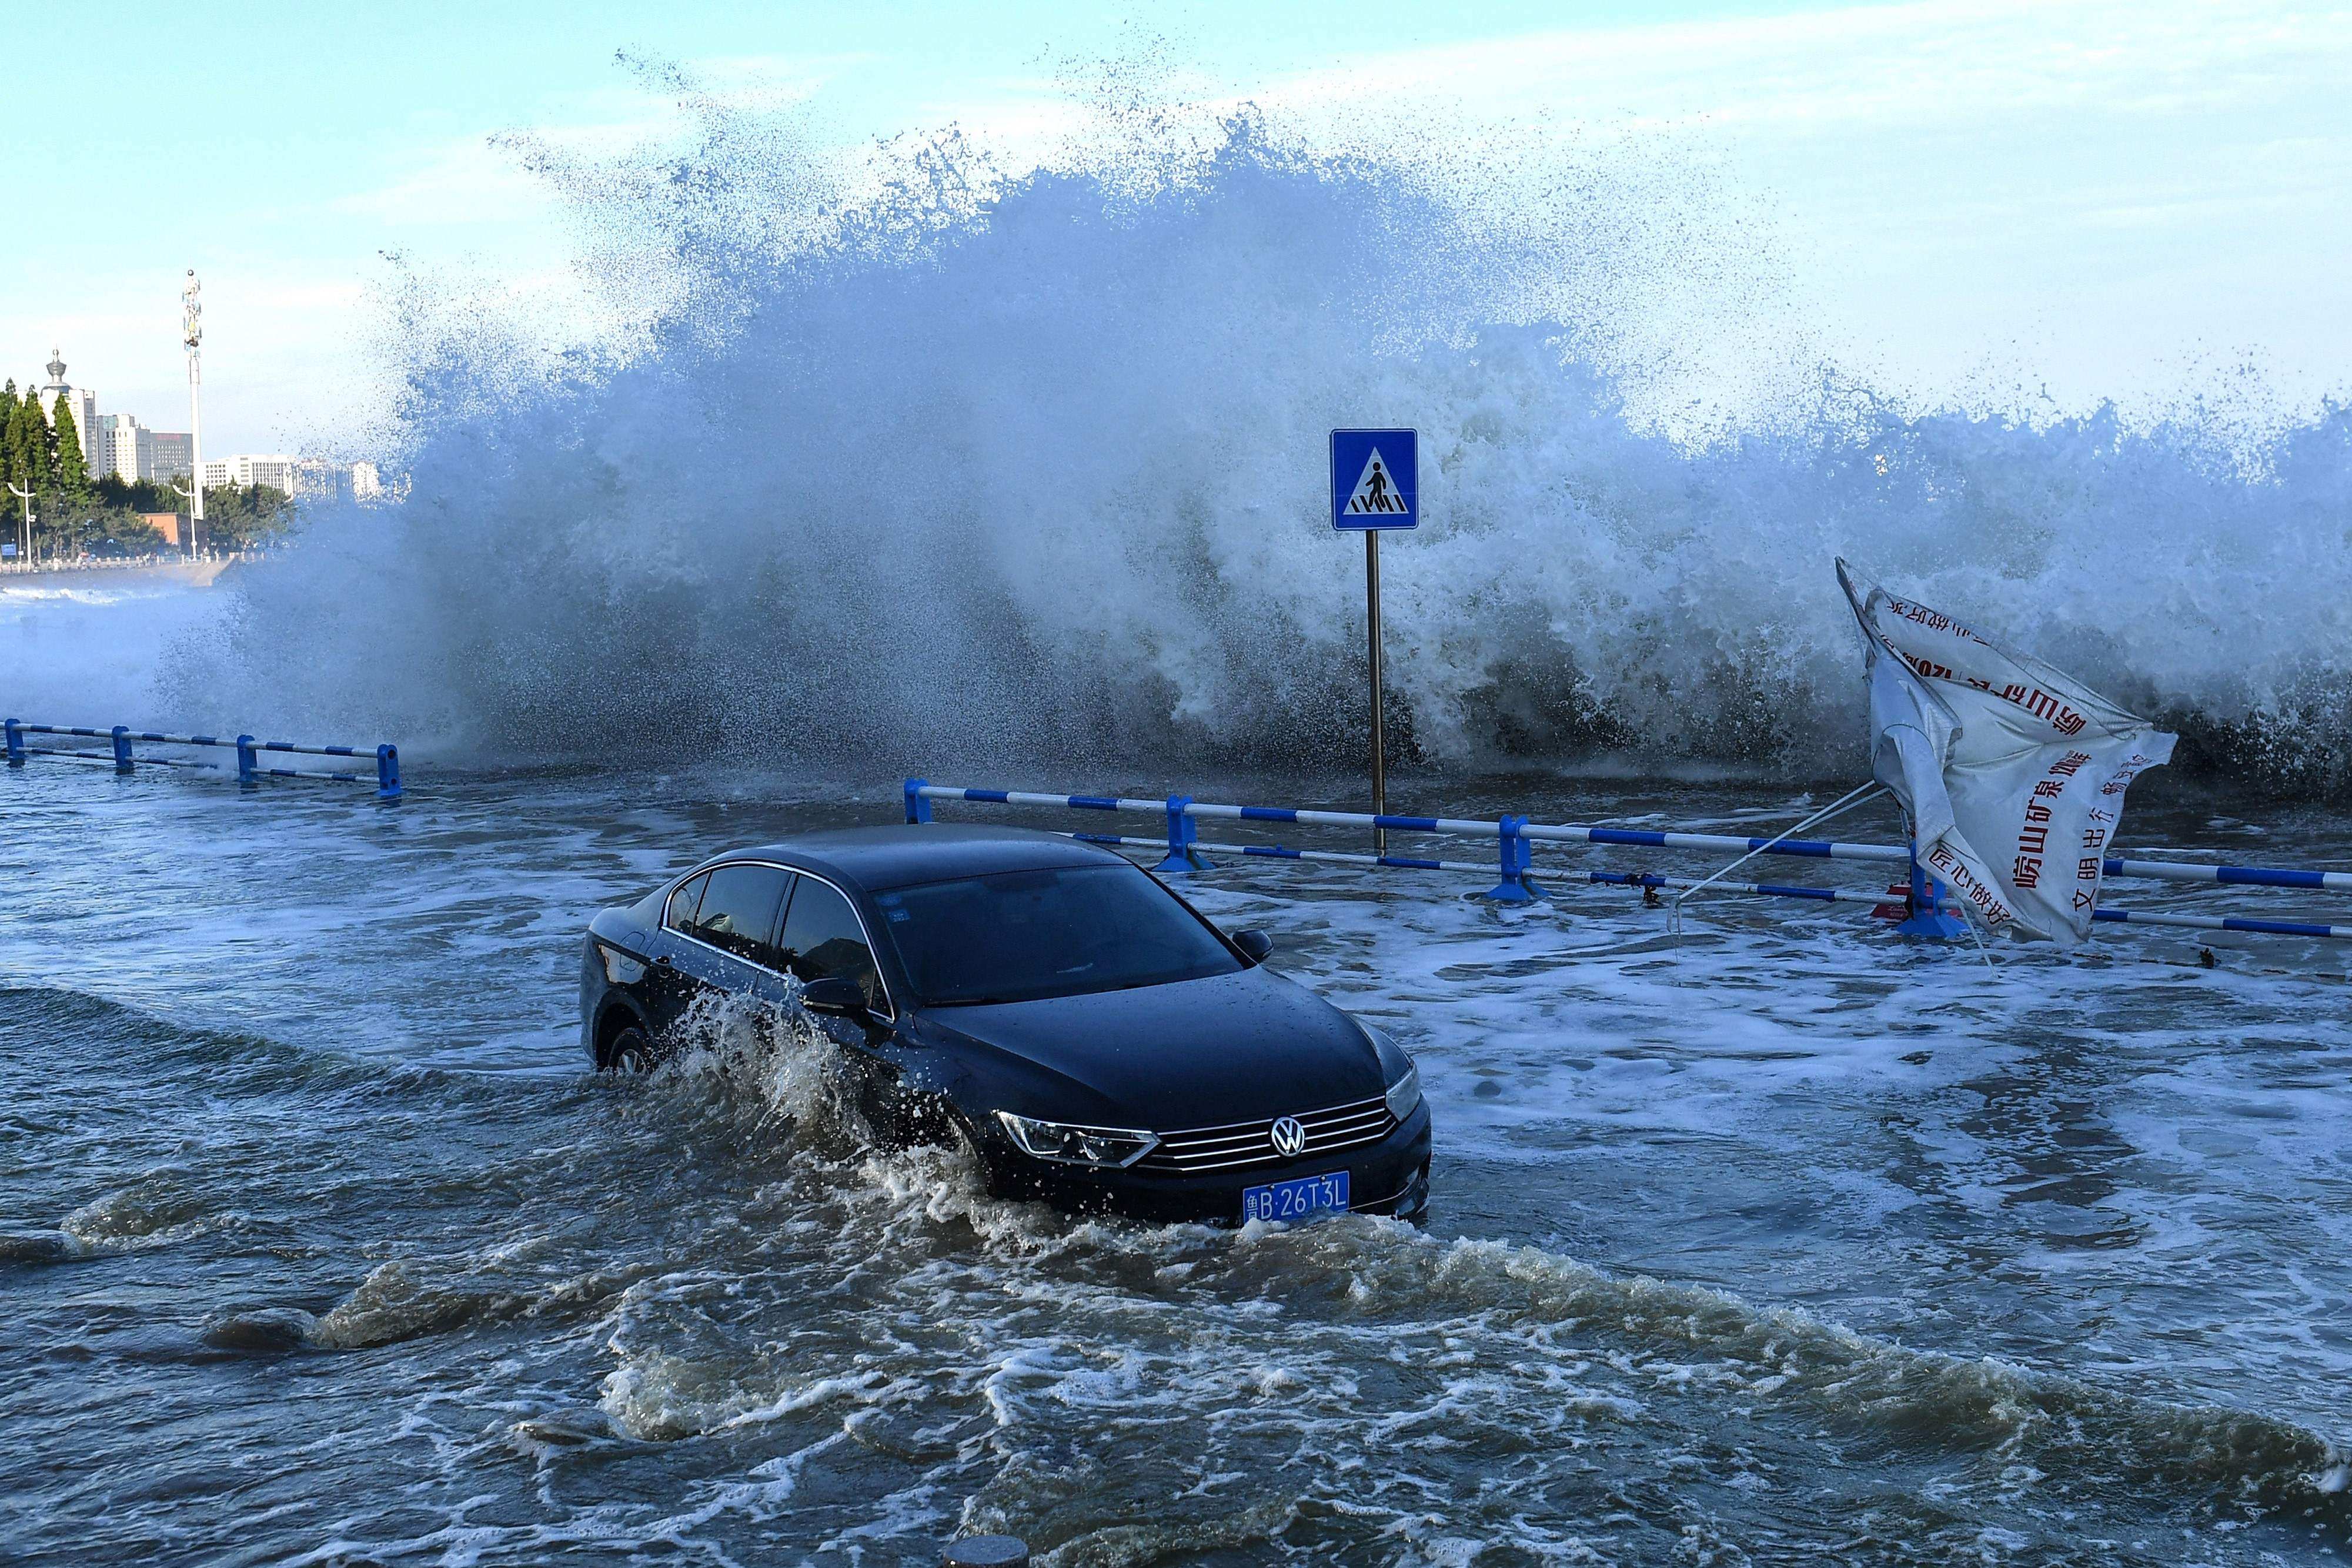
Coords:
1375,479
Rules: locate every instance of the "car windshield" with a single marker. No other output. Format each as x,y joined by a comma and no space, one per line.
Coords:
1021,936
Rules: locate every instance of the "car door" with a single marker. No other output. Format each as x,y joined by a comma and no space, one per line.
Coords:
728,942
666,989
822,937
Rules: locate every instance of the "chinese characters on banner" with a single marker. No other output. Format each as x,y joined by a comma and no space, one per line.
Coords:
2013,772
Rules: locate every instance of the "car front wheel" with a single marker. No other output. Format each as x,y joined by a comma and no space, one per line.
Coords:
967,1147
631,1052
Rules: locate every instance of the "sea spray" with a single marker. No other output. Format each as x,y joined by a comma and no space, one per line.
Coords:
954,464
767,1065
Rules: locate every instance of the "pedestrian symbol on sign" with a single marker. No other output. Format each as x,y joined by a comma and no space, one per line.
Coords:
1376,492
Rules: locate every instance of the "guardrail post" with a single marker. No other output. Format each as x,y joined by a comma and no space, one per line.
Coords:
248,761
1927,921
15,744
121,733
387,772
1183,840
1515,853
918,805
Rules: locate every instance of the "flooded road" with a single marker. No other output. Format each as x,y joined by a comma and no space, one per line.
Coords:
318,1244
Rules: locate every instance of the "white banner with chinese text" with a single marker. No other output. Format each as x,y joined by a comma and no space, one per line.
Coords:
2013,772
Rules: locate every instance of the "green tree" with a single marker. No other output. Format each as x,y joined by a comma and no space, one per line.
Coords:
122,533
44,438
42,441
107,528
38,456
21,448
137,495
8,436
27,443
73,469
240,518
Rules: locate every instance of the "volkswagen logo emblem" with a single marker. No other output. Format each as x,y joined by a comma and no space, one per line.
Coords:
1289,1137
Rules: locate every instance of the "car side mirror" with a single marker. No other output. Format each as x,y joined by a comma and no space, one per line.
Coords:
835,994
1255,946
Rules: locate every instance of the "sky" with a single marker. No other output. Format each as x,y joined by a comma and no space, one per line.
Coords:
2141,201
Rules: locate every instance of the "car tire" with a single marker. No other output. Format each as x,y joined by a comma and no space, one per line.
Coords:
967,1145
630,1052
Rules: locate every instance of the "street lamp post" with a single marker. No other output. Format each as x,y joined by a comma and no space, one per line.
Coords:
26,495
192,323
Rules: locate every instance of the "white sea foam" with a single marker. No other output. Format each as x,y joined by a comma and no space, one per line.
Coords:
99,657
1034,465
167,1207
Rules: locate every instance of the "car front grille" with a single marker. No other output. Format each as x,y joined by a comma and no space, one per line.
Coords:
1238,1145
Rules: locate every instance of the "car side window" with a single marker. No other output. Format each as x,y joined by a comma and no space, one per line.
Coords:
822,937
679,915
738,911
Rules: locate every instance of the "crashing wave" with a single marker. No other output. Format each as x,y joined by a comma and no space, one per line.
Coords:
942,463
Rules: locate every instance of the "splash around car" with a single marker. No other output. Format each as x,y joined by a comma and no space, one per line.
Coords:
1090,1038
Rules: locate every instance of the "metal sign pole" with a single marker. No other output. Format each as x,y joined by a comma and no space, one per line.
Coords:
1375,485
25,555
1372,632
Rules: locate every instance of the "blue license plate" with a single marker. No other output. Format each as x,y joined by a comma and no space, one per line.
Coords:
1300,1199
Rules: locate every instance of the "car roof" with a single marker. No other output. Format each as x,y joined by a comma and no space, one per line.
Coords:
904,853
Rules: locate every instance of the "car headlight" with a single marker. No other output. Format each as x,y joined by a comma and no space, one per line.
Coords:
1112,1147
1405,1093
619,967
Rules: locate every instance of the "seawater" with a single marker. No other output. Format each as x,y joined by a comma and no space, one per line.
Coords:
1784,1244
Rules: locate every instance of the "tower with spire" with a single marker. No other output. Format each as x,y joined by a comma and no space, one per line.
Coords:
84,404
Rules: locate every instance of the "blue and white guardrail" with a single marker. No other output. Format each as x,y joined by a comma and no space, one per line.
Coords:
250,754
1185,852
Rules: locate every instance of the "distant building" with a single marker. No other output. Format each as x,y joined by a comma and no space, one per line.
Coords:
301,476
119,445
85,411
317,478
101,443
242,468
175,455
164,523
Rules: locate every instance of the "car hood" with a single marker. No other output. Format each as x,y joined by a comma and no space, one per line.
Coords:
1195,1053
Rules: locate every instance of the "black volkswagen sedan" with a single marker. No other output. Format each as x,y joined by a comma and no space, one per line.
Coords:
1087,1034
